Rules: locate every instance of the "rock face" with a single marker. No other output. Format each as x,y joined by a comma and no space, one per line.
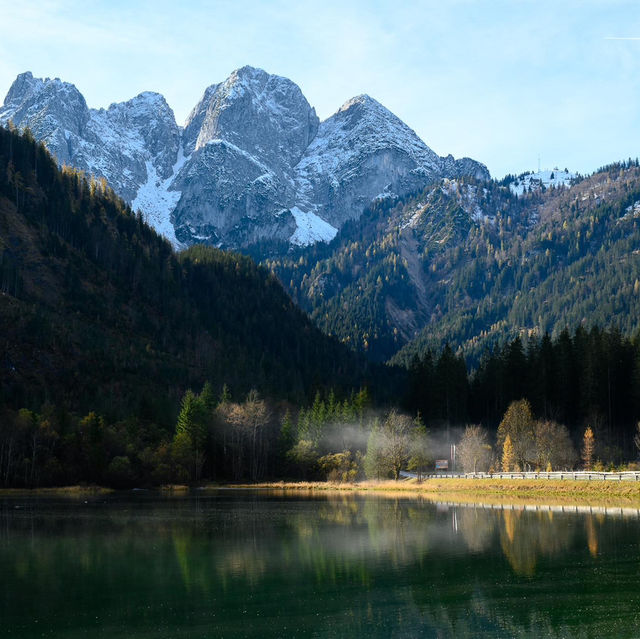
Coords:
244,139
252,163
364,151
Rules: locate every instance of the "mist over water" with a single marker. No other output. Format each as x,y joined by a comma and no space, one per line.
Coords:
246,564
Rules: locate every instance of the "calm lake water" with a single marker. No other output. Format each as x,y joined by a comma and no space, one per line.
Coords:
248,565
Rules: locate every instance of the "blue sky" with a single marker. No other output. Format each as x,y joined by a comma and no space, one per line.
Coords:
500,81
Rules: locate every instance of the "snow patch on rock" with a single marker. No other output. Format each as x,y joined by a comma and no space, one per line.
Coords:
157,200
311,228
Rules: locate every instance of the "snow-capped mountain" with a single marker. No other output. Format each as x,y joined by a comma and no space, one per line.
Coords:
135,145
252,163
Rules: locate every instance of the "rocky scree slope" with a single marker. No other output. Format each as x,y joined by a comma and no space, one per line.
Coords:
253,163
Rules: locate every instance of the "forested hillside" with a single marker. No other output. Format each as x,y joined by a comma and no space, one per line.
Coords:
98,313
123,362
472,264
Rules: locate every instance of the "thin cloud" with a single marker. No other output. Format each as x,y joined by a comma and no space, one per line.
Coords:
621,38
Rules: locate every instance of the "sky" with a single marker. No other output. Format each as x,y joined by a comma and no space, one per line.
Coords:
509,83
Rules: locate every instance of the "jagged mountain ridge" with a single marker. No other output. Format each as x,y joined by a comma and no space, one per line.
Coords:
252,163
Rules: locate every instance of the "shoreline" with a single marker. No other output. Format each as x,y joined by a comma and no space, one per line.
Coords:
468,490
57,491
463,490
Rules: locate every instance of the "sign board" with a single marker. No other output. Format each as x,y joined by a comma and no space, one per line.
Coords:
442,464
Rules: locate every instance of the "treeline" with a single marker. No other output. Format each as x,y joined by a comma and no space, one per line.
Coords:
590,377
524,443
528,406
569,261
472,264
349,285
213,438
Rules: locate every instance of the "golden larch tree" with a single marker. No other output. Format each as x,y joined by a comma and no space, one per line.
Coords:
508,455
588,446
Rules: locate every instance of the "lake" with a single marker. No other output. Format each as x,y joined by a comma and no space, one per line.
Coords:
243,564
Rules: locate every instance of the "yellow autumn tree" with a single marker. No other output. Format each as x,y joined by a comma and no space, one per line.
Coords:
508,456
588,446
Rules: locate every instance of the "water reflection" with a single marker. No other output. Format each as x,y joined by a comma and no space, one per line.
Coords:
592,535
337,565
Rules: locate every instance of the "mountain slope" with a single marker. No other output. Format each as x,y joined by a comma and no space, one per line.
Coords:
471,263
99,313
252,164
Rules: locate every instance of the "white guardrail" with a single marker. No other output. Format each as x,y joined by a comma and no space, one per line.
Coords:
586,475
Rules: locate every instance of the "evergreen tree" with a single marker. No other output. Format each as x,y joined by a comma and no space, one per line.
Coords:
207,398
225,395
192,428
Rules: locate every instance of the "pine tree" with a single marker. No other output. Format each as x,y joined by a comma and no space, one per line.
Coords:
225,395
192,424
287,434
207,398
188,412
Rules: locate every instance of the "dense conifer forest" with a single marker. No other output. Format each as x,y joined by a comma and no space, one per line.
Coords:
99,314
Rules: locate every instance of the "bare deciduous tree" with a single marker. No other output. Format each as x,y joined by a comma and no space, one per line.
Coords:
554,447
247,421
390,445
474,451
518,423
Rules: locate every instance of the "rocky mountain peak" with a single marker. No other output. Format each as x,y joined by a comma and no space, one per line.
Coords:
54,110
262,114
252,163
27,91
24,84
362,101
376,127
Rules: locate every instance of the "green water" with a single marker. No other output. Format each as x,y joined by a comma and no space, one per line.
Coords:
247,565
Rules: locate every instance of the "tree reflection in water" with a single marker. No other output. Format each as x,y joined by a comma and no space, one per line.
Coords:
334,565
